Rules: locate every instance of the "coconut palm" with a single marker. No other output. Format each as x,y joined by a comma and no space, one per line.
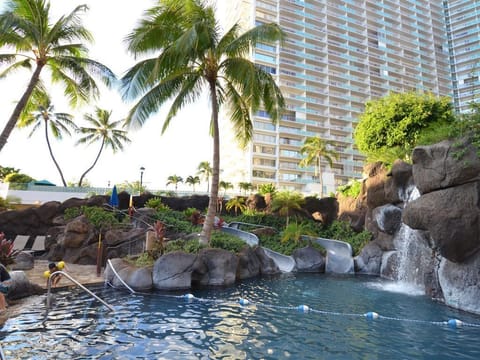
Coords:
245,186
287,201
237,203
38,42
205,170
190,55
175,180
315,149
104,131
41,112
192,180
225,185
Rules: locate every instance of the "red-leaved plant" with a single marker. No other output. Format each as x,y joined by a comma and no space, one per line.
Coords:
7,254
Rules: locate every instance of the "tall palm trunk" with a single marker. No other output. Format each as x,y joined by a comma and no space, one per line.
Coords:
93,165
320,178
12,122
212,204
51,154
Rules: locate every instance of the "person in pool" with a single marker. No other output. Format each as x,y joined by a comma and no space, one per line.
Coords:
52,268
5,280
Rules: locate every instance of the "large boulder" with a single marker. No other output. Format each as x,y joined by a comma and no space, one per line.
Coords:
452,217
23,261
173,271
459,283
137,278
248,264
215,267
388,218
267,265
309,259
21,287
444,165
369,260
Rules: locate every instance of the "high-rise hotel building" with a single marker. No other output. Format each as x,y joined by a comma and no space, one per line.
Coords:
462,19
338,54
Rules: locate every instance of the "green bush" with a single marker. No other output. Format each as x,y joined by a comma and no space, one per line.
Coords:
352,189
221,240
98,217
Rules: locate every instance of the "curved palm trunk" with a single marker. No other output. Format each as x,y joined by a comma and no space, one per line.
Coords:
51,154
12,122
212,203
93,165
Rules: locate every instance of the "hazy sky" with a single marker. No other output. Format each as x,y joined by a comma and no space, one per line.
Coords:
178,152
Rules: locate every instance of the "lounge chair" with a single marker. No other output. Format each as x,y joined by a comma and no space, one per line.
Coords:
20,242
39,244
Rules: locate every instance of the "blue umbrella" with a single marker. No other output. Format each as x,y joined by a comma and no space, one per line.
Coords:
114,197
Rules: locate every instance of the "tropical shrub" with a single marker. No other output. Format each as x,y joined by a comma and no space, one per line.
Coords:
156,204
98,217
352,189
7,254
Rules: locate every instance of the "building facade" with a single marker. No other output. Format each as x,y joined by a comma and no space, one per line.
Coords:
338,54
463,27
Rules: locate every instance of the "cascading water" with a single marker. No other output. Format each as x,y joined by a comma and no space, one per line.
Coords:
413,257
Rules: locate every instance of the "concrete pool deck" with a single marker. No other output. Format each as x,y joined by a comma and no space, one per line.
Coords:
84,274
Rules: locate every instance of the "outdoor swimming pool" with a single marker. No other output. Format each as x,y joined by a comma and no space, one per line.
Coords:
215,326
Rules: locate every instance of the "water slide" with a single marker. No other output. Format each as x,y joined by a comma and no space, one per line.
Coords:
339,258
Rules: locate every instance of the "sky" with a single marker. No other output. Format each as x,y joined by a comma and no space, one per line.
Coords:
178,151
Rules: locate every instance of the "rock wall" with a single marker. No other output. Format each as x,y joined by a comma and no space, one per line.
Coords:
437,231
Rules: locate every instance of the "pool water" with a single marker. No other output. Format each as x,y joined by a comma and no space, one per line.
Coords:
214,325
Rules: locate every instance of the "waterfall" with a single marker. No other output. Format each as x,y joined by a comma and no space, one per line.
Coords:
411,259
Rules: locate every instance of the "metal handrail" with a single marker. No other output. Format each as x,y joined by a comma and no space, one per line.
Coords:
76,283
118,276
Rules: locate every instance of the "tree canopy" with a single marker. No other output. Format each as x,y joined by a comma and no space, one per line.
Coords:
186,55
392,126
36,42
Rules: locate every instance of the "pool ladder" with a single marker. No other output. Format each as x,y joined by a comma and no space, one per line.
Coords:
110,308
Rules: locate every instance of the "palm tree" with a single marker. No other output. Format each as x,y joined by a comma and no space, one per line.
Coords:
175,180
314,149
38,43
205,170
225,185
193,180
40,111
193,55
103,130
287,201
245,186
237,203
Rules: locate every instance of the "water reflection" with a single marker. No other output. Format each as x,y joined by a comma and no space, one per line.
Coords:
154,326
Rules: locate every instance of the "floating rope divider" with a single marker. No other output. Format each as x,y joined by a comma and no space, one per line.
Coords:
118,276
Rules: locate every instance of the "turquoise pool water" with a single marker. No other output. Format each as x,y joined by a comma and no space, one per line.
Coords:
214,325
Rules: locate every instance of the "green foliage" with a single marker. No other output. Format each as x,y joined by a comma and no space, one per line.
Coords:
469,127
237,204
101,219
5,204
189,212
352,189
156,203
392,126
188,246
72,213
5,170
294,231
287,202
227,242
18,178
176,221
267,189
